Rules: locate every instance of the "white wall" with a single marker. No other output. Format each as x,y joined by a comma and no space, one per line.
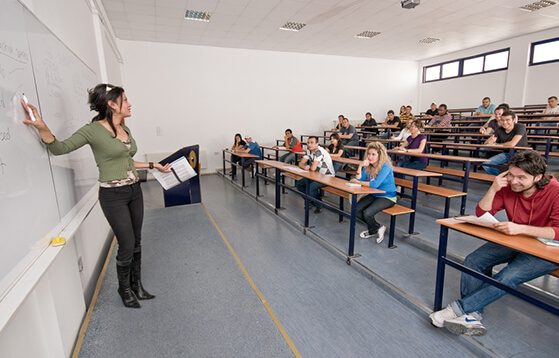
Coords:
203,95
41,315
519,85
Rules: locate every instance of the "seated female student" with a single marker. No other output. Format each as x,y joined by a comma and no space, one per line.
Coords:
404,133
238,145
375,172
336,150
415,143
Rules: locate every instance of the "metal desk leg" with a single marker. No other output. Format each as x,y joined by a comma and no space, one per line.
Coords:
352,221
243,172
413,205
224,172
278,194
465,187
439,282
257,180
307,201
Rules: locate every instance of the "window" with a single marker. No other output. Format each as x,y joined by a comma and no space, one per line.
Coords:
496,61
432,73
487,62
473,65
451,69
544,52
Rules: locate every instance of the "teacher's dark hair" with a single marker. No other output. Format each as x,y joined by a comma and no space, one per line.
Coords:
532,163
99,98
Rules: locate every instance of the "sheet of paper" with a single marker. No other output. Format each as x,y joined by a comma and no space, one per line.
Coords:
486,219
549,242
295,169
181,168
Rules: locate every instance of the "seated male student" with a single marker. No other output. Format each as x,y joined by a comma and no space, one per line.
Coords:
530,199
293,145
493,122
251,148
316,159
369,121
508,134
348,135
485,108
391,120
441,120
551,108
433,111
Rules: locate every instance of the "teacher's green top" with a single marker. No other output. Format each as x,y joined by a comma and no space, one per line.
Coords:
113,158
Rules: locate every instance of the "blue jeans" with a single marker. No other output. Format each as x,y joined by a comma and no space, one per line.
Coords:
314,188
288,158
520,268
416,164
337,165
498,159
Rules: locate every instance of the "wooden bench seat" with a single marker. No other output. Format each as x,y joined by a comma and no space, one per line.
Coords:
555,273
446,193
393,212
460,173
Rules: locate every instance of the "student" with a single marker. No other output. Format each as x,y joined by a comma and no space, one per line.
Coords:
508,134
391,119
493,122
442,118
250,147
238,145
336,150
375,172
348,133
293,145
369,121
316,159
530,199
405,117
485,108
339,125
551,108
120,194
433,111
415,143
404,133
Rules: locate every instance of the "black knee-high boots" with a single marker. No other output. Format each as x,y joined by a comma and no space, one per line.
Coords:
136,278
124,290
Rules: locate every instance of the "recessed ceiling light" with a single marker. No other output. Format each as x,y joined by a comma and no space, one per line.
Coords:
367,34
197,15
292,26
428,40
537,5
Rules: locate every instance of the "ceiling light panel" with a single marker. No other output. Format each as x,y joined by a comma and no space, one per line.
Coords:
538,5
293,26
367,34
197,15
428,40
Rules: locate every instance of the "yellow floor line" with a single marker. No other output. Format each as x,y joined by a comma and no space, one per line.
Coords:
85,324
243,269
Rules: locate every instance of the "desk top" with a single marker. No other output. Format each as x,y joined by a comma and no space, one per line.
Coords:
242,155
279,148
398,170
450,158
332,181
473,145
523,243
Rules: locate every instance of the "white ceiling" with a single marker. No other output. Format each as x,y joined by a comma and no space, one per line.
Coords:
331,24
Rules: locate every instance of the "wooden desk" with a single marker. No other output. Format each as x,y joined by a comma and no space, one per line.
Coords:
327,180
466,161
243,157
521,243
278,149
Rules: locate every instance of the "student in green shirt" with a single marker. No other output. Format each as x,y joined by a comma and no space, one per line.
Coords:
120,195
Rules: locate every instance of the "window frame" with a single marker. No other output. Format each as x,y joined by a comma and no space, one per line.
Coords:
532,47
461,66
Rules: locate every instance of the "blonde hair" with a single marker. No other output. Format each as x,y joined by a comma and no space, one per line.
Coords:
373,170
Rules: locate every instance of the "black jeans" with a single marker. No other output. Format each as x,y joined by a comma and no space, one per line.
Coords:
368,207
237,160
124,209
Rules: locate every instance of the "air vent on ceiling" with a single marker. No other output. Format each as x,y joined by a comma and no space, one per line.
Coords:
367,34
428,40
537,5
292,26
197,15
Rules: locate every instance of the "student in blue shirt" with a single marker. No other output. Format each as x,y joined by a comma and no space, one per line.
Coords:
251,148
375,172
486,107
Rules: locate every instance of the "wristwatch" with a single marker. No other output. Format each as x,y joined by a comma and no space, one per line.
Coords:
151,165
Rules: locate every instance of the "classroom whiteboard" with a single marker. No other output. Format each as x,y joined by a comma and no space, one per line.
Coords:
37,189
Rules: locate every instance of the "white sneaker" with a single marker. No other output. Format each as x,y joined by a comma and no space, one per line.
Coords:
467,325
440,317
398,189
381,232
365,234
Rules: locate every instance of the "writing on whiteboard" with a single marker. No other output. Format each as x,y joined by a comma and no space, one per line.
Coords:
13,53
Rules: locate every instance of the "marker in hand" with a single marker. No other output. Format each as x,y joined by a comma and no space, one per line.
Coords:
28,109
